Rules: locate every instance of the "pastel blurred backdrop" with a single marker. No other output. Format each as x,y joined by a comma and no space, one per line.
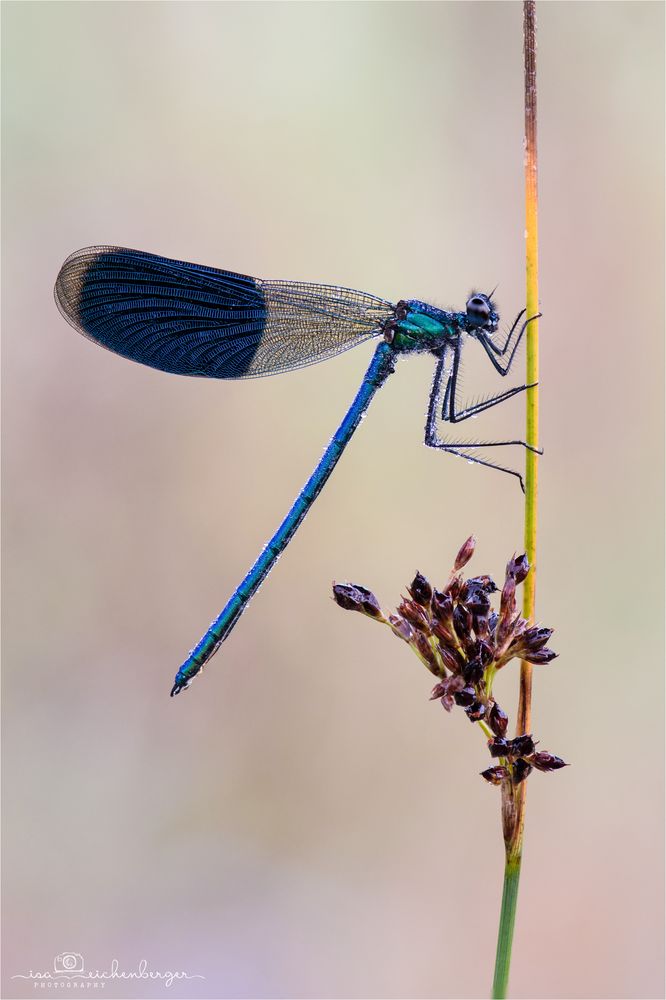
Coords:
302,822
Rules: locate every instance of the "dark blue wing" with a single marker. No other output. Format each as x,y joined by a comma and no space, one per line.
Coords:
194,320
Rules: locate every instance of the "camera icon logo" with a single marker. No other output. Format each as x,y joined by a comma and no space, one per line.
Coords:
68,962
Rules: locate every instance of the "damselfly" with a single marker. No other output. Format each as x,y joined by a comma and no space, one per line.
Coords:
192,320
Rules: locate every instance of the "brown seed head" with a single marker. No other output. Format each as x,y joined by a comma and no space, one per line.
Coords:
521,769
465,553
476,711
426,652
547,761
443,633
449,658
498,747
495,775
446,691
415,615
498,720
401,627
540,656
353,597
442,606
465,696
421,590
521,746
518,568
508,599
463,642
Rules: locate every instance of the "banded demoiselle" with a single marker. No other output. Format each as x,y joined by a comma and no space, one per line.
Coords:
193,320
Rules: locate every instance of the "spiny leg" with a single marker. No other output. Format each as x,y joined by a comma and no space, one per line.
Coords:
449,413
433,440
489,346
438,442
454,450
484,404
501,351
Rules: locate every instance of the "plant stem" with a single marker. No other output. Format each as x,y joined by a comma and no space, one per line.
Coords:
487,731
532,337
507,920
513,797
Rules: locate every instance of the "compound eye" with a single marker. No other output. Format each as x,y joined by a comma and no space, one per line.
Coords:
478,308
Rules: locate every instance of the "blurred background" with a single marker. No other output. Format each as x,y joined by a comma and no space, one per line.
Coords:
303,822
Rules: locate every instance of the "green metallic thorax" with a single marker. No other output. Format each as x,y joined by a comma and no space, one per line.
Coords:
419,330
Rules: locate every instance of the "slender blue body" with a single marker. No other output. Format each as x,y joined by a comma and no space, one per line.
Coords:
381,366
188,319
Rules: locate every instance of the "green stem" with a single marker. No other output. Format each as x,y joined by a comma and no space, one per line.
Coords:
506,924
487,731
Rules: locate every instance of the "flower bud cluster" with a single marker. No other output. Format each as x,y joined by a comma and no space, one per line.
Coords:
463,641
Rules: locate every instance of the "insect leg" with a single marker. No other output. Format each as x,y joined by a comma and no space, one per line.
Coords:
455,417
500,351
489,346
454,450
449,412
433,440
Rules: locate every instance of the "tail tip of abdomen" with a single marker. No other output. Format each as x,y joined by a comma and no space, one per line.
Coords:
179,685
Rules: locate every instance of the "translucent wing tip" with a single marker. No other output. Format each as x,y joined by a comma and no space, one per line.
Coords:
70,281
